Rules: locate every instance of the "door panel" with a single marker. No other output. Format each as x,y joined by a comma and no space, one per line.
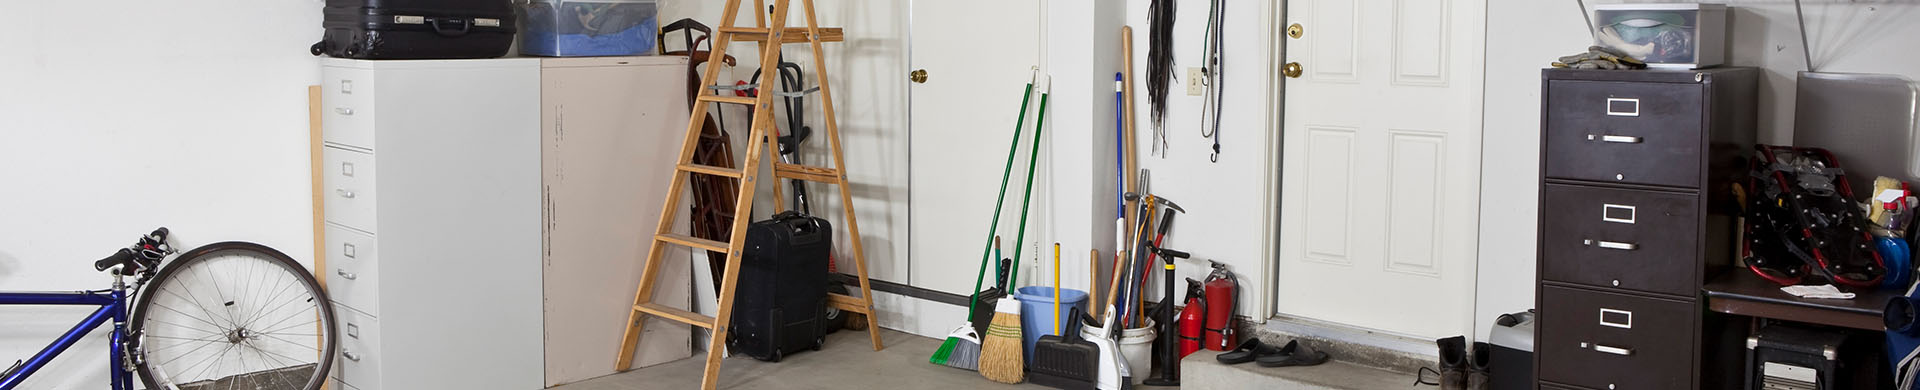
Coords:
1380,166
962,121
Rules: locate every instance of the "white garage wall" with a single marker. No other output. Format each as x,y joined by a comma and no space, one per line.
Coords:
1524,35
120,116
1224,200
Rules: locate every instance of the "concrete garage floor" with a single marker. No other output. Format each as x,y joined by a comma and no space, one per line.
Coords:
849,363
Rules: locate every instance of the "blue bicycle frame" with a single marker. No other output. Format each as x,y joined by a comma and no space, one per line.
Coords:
113,307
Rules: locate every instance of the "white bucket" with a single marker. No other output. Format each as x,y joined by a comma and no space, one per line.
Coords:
1136,345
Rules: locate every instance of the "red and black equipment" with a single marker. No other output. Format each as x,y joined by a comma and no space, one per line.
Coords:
1223,298
1192,318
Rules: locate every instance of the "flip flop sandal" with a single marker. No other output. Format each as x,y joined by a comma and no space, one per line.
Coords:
1246,352
1293,354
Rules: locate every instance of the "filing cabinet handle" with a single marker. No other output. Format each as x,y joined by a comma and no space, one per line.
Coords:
344,193
343,110
1613,350
1625,246
350,355
344,274
1620,139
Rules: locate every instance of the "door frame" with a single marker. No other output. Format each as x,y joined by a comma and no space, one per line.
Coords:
1272,18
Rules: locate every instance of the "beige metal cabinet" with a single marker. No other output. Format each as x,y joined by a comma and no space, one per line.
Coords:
610,130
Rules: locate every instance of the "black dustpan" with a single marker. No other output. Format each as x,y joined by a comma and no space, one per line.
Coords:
1065,361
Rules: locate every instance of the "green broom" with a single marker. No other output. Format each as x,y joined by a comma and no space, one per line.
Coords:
962,348
1002,358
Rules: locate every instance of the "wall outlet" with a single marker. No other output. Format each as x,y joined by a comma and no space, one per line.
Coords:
1194,77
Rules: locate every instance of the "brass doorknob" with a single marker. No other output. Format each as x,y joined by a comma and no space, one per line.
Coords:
1292,70
1295,31
918,76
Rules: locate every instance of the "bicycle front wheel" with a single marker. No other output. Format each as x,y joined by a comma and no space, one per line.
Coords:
233,314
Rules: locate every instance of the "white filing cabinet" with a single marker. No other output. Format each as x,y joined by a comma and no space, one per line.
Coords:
433,222
487,220
610,131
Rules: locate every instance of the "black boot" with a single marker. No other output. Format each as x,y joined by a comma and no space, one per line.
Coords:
1479,366
1453,363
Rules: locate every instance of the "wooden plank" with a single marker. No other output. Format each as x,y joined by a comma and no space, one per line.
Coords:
802,172
677,315
792,35
691,241
849,303
729,99
712,170
317,172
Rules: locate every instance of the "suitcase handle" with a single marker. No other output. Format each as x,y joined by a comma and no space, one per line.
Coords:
445,26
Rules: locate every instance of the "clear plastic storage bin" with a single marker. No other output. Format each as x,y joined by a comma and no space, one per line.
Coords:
578,28
1669,35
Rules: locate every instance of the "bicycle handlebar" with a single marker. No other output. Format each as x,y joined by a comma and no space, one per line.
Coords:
142,255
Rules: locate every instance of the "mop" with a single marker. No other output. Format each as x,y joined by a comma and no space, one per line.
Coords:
962,347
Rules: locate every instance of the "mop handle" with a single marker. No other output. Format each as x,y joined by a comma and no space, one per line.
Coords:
1039,126
1056,287
1004,175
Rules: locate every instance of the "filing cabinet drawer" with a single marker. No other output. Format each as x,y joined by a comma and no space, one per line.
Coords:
359,361
1641,133
1604,340
350,188
1632,239
353,269
347,107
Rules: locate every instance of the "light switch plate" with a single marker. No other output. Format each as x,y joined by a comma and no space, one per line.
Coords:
1194,78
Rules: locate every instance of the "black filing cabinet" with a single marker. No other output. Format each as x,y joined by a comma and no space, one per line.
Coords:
1638,170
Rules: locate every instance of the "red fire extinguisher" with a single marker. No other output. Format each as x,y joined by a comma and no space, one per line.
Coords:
1222,288
1192,318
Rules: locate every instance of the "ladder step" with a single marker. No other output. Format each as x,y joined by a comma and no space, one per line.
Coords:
677,315
713,170
792,34
802,172
729,99
691,241
849,303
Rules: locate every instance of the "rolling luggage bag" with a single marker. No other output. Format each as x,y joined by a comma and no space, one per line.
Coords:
779,306
416,29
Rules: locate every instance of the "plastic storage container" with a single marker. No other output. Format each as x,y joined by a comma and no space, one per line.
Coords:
580,28
1667,35
1036,312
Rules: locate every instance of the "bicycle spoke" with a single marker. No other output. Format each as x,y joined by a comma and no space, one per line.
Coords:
190,342
205,275
275,373
187,327
255,316
277,330
210,360
295,314
196,304
189,352
185,314
315,349
291,299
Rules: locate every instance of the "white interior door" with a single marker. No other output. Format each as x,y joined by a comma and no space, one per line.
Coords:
1381,166
963,118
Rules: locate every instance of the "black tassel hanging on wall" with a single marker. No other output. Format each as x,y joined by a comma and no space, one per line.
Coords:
1160,14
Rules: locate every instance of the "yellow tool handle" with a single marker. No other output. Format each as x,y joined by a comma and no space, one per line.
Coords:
1056,288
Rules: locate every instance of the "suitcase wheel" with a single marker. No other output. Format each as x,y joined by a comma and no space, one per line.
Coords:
318,48
776,356
819,343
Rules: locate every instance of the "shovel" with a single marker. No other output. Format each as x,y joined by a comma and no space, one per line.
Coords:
1065,361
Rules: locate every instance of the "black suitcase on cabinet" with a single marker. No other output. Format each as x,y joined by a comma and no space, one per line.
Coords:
417,29
779,305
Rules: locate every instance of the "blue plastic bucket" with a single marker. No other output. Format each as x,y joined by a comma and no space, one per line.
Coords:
1036,312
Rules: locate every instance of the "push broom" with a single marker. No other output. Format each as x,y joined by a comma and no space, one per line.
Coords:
962,348
1002,355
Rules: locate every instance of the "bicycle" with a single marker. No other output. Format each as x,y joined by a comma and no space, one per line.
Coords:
223,315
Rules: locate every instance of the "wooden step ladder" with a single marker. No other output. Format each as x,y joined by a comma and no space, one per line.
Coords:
770,38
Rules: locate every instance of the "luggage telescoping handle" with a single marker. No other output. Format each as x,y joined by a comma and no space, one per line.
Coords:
802,226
